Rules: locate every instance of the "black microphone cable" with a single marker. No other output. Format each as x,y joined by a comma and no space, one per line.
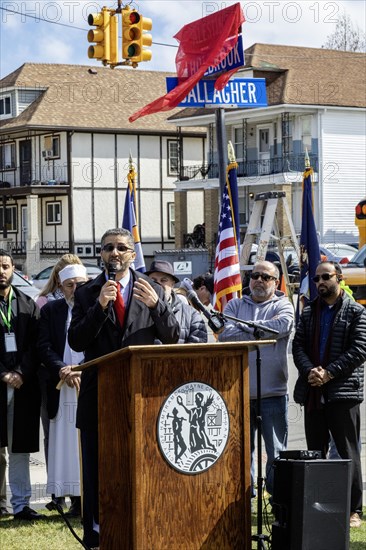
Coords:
56,506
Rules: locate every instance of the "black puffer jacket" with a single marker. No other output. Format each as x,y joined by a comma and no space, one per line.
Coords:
347,352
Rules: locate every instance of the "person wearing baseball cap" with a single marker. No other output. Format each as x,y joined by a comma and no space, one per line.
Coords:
192,326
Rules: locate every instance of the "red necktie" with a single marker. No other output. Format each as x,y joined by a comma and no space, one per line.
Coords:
119,306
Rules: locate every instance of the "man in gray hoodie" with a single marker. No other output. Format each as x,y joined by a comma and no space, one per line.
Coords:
263,303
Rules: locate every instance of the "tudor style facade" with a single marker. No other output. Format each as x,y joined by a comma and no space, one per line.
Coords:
65,141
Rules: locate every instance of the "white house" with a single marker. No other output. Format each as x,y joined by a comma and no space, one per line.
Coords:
65,140
316,101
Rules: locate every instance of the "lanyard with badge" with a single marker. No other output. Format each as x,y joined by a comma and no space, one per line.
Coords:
10,342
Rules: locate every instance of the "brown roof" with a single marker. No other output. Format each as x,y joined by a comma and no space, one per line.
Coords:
305,76
92,98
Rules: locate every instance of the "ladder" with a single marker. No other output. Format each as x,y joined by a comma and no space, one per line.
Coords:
263,227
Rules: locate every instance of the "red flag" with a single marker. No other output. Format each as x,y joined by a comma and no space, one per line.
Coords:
202,44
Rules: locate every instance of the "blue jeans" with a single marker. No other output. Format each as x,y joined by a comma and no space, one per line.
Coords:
19,472
274,432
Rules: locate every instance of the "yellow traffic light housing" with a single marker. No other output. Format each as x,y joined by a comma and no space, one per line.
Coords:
105,35
135,39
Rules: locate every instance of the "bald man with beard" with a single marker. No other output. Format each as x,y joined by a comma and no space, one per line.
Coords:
263,303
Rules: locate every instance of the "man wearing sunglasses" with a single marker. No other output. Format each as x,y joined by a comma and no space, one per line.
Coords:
329,351
120,308
263,303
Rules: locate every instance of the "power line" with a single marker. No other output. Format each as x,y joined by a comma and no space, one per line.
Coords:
247,54
39,18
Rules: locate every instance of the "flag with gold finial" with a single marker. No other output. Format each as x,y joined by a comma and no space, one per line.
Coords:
309,245
227,279
130,219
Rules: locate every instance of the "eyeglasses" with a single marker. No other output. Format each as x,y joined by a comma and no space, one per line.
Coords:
324,277
264,276
120,247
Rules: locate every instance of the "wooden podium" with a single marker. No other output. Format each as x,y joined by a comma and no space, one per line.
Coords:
147,502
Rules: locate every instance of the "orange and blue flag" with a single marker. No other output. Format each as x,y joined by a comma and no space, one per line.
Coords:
130,222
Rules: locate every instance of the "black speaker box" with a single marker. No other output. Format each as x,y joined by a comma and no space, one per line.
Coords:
311,504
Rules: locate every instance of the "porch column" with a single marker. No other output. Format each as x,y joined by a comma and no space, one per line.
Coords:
180,201
211,217
32,262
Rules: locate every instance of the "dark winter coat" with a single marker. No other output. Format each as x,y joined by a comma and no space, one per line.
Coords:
27,399
96,333
51,347
347,352
192,326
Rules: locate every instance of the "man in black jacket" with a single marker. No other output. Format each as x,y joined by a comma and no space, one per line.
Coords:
329,350
20,398
139,316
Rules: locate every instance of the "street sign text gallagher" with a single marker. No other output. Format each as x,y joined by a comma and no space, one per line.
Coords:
245,93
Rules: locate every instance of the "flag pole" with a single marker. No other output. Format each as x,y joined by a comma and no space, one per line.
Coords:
221,146
131,177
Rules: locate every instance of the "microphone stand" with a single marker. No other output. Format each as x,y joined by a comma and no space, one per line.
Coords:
259,331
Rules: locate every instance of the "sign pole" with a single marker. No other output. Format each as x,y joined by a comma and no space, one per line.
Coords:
221,147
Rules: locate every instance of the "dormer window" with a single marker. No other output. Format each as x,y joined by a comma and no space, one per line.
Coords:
5,107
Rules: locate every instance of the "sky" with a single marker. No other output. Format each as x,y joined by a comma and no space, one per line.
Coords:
25,37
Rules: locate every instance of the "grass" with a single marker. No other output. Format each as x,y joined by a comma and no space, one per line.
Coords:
357,535
48,534
53,534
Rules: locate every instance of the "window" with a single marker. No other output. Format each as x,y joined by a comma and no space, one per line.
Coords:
7,156
5,107
171,220
238,143
53,213
306,133
173,157
10,218
287,140
51,147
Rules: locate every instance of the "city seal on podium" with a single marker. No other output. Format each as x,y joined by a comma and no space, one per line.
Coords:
193,427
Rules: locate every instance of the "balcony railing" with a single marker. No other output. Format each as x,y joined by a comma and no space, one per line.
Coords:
251,168
19,248
54,247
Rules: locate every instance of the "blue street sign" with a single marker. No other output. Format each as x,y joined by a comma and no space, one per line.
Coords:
234,59
244,93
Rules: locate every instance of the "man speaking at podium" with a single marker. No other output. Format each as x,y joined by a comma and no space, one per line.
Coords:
120,308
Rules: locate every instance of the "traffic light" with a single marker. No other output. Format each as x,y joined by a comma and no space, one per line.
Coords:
135,39
105,35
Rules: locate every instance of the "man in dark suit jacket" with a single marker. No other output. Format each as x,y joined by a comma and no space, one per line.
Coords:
20,398
98,329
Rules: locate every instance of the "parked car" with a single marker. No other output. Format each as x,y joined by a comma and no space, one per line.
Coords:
354,274
42,277
338,252
272,255
24,285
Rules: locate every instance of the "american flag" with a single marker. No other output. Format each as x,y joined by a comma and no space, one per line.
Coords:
227,279
129,220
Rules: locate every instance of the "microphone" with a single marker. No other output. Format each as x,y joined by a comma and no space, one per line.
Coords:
112,272
215,323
